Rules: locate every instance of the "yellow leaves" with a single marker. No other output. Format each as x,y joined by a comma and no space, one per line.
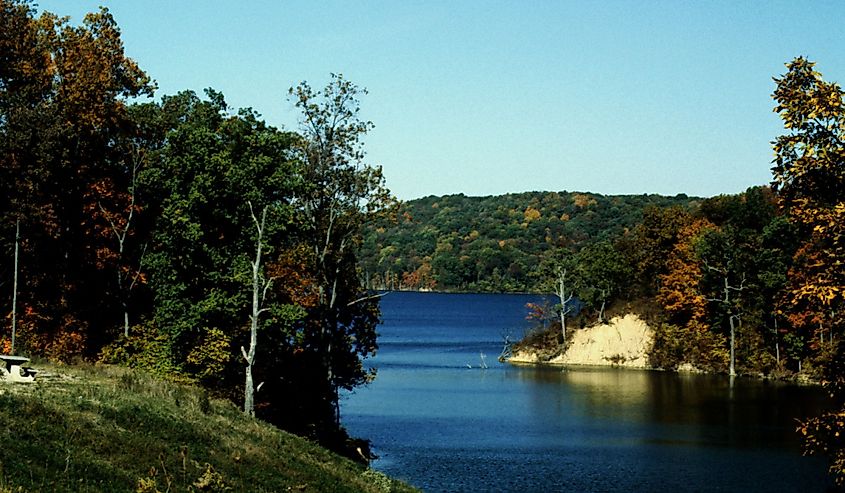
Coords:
583,200
809,162
531,214
211,355
810,159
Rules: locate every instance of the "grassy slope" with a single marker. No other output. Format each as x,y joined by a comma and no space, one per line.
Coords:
112,429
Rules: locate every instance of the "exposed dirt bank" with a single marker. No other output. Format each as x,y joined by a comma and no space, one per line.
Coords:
624,341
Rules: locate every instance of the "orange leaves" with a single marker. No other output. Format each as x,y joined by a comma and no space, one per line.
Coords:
67,344
296,281
106,211
422,278
108,206
94,73
679,291
824,435
809,161
410,280
30,335
64,91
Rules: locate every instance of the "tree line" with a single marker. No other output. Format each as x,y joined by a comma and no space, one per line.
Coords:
181,235
495,243
752,283
193,239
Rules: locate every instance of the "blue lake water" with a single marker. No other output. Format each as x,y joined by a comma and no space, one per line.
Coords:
442,426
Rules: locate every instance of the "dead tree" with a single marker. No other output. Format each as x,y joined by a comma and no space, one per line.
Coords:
565,298
725,301
260,286
507,347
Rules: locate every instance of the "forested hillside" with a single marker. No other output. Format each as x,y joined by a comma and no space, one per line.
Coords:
193,239
496,243
180,234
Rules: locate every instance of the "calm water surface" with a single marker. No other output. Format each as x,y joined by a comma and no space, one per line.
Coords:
442,426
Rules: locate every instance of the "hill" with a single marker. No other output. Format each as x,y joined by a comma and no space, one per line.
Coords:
113,429
494,243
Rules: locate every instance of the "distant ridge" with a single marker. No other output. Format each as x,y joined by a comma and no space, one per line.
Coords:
493,243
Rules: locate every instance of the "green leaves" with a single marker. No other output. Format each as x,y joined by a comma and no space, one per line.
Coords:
209,165
491,245
809,174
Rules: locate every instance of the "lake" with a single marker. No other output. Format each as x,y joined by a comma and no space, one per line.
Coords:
441,422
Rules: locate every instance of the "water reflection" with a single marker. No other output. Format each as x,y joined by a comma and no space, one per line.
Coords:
674,408
444,427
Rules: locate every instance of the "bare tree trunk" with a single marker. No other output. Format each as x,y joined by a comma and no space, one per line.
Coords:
726,302
603,303
564,299
259,292
561,294
15,285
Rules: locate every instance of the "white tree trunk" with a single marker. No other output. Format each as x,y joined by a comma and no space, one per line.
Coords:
726,302
564,299
259,290
15,285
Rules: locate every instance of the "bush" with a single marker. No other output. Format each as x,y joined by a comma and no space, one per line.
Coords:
145,348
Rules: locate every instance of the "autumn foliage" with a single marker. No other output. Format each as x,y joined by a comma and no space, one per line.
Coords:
135,234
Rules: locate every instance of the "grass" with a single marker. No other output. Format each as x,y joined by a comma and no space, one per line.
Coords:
87,428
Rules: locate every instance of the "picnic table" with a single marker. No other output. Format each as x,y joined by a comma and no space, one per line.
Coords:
11,370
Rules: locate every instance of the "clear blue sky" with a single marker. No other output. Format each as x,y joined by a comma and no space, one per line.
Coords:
489,97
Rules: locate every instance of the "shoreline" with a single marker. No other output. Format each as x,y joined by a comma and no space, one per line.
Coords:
622,342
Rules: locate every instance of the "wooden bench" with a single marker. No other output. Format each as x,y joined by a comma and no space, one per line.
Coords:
12,371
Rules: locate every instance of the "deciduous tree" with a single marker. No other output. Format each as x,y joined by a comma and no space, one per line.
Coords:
63,92
809,176
342,193
604,274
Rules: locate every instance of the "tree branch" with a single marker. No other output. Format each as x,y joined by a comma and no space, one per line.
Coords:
138,270
365,298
